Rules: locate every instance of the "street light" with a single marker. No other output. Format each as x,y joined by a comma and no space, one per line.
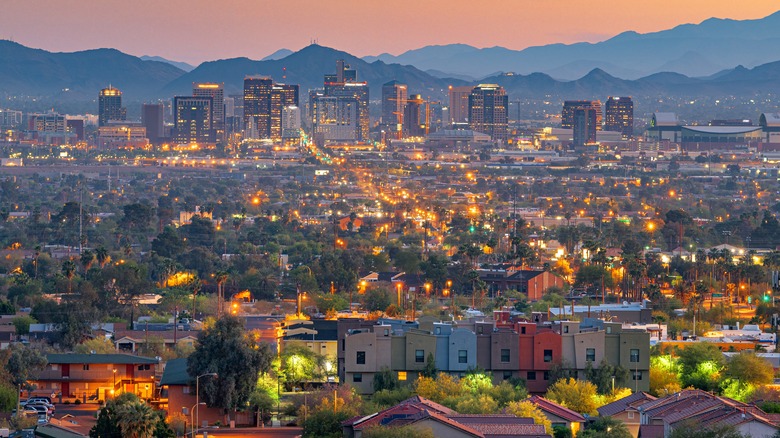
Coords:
192,421
197,394
113,388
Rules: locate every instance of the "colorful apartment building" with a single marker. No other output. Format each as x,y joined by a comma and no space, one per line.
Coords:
506,349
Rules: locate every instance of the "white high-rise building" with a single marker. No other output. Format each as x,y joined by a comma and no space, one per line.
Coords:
291,122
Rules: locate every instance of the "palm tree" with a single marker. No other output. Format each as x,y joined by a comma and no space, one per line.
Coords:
86,259
220,277
136,420
102,256
69,271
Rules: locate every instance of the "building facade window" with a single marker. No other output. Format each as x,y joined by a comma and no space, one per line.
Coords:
546,375
463,356
507,375
522,330
634,356
548,356
402,376
590,354
531,375
504,355
566,329
630,415
357,377
361,358
85,367
637,375
419,356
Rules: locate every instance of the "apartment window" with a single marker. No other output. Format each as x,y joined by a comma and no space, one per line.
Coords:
419,356
590,354
387,332
522,330
507,375
357,377
546,375
548,355
463,356
634,355
609,330
479,330
85,367
531,375
185,390
637,375
630,415
566,329
504,355
361,358
145,367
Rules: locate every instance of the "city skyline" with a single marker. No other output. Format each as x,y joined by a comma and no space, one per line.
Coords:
189,32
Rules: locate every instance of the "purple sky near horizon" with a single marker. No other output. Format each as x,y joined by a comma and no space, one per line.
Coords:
197,30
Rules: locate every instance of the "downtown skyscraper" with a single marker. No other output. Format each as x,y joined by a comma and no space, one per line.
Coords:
619,116
394,96
216,91
340,111
264,103
110,106
488,105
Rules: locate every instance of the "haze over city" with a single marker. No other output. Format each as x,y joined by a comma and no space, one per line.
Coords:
199,30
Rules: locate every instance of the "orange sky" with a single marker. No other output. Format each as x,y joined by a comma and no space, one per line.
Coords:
196,30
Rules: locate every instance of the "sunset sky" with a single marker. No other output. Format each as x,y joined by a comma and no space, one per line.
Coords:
197,30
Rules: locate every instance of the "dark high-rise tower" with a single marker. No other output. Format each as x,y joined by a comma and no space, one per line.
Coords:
415,120
192,120
569,106
488,111
152,119
110,106
257,104
584,129
619,116
394,95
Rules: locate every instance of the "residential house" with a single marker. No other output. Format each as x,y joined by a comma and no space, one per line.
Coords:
559,415
689,408
627,410
420,413
100,376
178,395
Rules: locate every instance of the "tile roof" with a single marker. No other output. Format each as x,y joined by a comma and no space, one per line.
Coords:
501,425
651,431
617,406
556,409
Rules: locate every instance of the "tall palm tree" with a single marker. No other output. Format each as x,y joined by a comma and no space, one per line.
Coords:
102,256
86,259
220,277
136,420
69,271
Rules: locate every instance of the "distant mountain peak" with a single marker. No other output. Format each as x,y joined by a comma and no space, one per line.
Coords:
279,54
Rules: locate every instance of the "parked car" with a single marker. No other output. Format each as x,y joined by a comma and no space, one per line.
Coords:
40,409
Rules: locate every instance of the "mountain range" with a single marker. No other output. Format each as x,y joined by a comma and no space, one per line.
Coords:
691,49
61,78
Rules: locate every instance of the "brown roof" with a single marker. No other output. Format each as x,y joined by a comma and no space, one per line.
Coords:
555,409
618,406
651,431
501,425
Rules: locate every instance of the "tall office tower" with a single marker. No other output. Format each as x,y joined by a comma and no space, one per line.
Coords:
415,120
192,120
488,111
344,85
569,106
459,104
336,119
585,125
291,122
216,91
282,96
152,119
257,104
311,106
110,106
619,116
394,95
